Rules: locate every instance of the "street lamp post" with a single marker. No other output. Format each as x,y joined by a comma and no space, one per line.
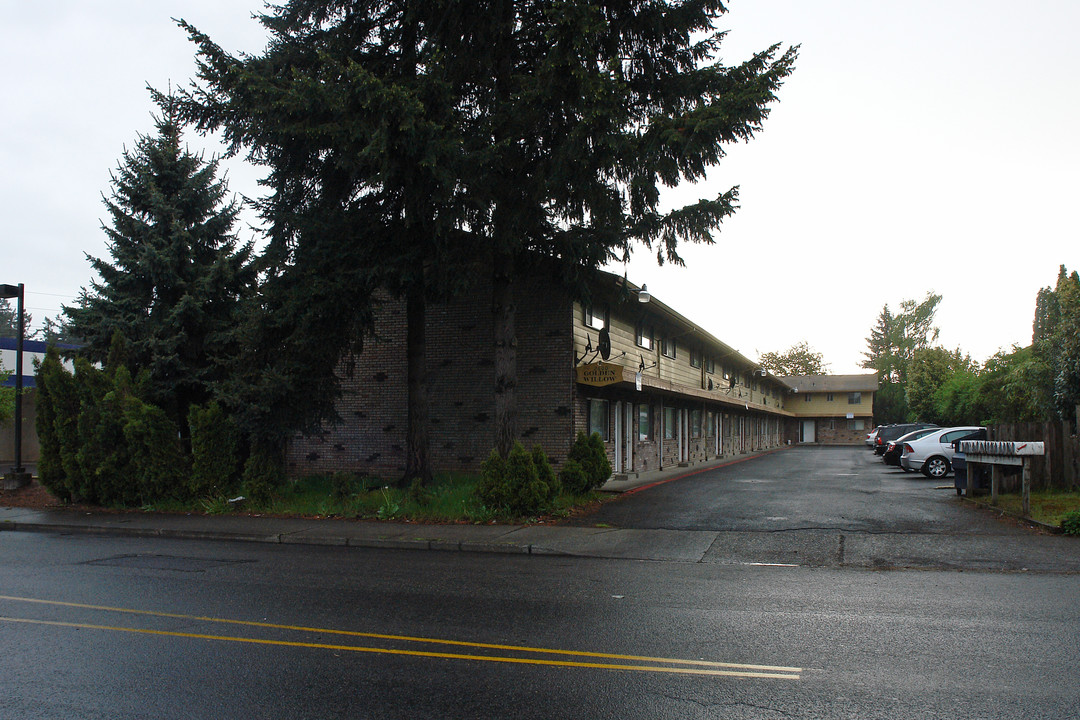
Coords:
18,475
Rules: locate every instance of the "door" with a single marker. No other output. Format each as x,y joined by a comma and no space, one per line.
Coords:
807,432
619,439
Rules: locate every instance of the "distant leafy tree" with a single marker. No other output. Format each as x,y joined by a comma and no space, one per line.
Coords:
7,397
896,338
1015,386
174,285
1056,340
57,330
799,359
9,319
931,370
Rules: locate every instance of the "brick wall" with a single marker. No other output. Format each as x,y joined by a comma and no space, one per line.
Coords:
461,373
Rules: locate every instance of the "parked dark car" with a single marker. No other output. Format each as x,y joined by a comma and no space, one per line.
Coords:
895,448
960,468
893,432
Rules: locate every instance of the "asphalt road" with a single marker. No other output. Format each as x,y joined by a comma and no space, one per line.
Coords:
103,627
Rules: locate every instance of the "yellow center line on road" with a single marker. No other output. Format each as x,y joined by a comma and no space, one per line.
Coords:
722,668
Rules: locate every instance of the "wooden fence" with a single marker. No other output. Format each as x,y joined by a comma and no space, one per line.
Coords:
1059,468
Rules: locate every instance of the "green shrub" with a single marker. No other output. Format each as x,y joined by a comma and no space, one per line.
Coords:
158,465
545,472
215,450
1070,522
264,474
493,490
573,478
589,452
514,485
345,484
53,394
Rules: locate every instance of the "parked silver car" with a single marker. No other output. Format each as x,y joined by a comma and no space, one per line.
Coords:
932,454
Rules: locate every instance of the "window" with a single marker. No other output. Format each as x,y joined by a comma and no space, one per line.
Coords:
644,422
695,423
669,423
854,398
594,318
829,397
695,358
667,348
644,336
806,397
711,429
710,365
598,418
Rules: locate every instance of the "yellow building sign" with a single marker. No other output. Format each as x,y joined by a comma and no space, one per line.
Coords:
599,374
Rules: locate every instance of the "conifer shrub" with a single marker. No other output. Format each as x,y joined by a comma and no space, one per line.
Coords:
514,485
159,467
492,489
215,450
104,456
264,473
573,478
589,452
545,472
51,381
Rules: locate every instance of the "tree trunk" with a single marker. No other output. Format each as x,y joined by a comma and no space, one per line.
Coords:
417,443
504,313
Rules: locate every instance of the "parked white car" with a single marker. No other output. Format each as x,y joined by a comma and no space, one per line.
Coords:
932,454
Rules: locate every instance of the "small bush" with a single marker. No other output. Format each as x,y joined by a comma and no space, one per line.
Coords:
493,490
573,478
263,474
159,467
215,450
1070,522
513,485
589,452
545,472
345,484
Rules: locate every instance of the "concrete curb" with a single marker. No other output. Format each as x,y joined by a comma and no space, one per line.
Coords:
293,538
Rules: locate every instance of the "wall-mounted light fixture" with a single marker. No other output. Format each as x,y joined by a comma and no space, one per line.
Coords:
643,295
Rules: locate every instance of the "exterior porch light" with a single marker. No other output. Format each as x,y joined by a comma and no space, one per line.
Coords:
643,295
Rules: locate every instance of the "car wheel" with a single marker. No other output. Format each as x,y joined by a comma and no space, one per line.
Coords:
936,467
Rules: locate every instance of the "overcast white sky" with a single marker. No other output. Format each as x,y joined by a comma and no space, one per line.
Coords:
929,145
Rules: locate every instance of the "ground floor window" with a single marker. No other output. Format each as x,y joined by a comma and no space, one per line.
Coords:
669,423
598,418
644,422
711,429
695,423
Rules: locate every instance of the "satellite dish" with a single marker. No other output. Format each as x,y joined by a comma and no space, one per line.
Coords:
604,344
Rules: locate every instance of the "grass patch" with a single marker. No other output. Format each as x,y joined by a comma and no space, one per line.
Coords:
1046,506
449,498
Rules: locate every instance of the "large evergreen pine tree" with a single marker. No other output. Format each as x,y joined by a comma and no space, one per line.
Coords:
176,276
404,136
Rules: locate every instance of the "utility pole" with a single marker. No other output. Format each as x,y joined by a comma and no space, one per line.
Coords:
18,475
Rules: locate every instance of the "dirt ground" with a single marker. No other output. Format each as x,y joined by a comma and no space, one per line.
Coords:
30,496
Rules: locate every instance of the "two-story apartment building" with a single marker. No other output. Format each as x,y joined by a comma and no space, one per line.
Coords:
658,388
832,409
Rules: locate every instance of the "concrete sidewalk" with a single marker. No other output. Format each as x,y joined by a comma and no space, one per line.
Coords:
605,542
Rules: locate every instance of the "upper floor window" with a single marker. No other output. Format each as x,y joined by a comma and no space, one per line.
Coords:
854,398
710,365
595,318
667,347
829,397
644,336
806,397
695,358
